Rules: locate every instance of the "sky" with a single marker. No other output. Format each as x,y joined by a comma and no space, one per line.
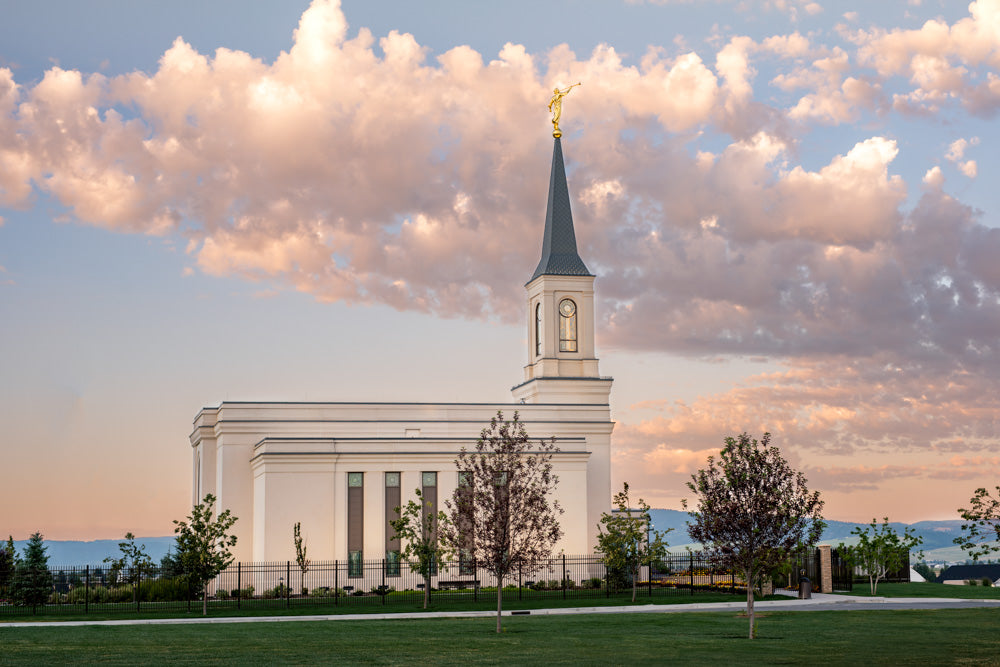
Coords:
788,205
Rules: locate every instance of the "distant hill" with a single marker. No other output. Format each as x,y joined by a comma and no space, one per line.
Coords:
937,535
938,544
73,553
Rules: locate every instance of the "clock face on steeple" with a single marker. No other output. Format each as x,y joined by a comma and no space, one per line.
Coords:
567,308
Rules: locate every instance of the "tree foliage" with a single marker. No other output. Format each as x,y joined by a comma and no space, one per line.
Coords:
880,550
8,557
982,530
32,581
133,562
625,538
753,510
300,555
203,545
501,512
422,530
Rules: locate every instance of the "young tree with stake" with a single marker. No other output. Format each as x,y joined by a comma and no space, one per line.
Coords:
203,545
501,514
881,551
626,540
422,530
753,510
132,562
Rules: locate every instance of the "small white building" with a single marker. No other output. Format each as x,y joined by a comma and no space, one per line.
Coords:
341,468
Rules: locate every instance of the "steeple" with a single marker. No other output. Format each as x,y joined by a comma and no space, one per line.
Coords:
559,255
562,364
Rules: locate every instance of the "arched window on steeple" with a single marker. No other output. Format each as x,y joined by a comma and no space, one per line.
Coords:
538,329
567,326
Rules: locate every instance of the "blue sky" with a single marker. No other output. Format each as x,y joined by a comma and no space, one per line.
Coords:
789,205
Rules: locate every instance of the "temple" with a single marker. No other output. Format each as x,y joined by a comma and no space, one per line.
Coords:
341,469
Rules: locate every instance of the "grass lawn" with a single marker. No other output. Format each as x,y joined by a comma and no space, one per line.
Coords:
367,606
928,590
822,637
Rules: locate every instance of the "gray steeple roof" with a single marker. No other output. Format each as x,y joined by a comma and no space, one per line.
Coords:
559,256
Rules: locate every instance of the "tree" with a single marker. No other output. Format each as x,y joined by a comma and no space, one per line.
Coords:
32,581
8,556
626,540
501,515
133,562
753,511
983,528
925,571
300,555
421,529
203,545
880,551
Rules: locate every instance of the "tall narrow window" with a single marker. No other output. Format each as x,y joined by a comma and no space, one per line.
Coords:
466,564
429,482
355,523
392,503
538,329
567,326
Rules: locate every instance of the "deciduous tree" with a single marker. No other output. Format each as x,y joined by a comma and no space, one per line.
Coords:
753,510
982,527
626,540
502,514
133,562
880,550
422,530
203,545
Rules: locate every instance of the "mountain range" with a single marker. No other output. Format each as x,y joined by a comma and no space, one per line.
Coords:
938,539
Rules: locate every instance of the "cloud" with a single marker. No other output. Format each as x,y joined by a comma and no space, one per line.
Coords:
944,63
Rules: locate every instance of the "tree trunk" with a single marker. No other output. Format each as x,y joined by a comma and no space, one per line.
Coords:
427,590
204,599
750,601
499,601
635,577
872,585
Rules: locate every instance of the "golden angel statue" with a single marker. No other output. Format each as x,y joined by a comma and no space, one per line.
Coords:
555,106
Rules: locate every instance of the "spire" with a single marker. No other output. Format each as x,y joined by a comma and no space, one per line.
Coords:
559,256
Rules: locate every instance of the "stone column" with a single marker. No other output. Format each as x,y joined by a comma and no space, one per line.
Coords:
825,570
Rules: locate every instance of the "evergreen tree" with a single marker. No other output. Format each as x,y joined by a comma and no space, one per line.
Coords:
32,582
7,558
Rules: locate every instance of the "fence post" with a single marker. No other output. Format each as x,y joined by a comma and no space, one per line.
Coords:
607,581
385,591
86,591
564,576
519,581
649,578
137,577
475,579
288,583
691,571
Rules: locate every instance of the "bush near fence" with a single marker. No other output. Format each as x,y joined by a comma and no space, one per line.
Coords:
377,582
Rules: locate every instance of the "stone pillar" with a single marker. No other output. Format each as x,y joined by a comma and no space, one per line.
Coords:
825,570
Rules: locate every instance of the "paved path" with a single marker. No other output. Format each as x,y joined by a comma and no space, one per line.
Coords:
819,602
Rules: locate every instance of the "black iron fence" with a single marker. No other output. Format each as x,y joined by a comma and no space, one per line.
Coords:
103,590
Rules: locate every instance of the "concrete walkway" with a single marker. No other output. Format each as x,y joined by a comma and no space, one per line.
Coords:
819,602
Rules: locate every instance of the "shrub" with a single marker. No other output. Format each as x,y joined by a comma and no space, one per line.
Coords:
244,593
987,582
971,582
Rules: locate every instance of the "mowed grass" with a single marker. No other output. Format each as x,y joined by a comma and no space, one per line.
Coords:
413,604
928,590
967,636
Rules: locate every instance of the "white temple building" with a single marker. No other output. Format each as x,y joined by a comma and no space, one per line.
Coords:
342,468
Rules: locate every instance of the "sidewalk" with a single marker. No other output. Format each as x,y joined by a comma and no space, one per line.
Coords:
818,602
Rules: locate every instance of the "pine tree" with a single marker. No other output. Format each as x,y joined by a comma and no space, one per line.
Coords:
32,582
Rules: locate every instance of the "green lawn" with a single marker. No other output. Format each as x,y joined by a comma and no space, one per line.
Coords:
367,606
928,590
966,636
